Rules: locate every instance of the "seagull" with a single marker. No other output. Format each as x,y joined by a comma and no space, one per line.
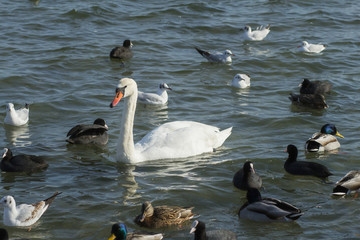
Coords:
217,57
159,98
17,117
24,215
311,48
241,81
258,34
123,52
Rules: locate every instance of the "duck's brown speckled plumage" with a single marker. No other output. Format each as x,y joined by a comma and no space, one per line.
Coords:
160,216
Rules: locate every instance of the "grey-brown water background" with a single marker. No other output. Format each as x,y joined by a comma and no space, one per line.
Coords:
54,55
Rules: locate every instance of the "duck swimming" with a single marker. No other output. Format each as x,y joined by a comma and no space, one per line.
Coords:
162,216
267,209
350,182
95,133
295,167
200,233
120,232
324,140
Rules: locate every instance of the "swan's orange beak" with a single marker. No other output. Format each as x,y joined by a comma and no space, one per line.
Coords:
118,96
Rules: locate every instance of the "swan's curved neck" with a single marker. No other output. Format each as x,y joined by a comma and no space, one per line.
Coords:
126,148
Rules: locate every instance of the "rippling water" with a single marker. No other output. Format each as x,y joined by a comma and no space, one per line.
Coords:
54,55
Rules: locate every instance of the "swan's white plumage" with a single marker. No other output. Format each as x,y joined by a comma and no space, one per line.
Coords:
17,117
179,139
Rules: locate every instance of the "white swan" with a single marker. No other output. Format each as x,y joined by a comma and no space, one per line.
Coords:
159,98
179,139
241,80
17,117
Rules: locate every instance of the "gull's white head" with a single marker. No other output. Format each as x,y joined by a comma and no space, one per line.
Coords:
10,107
8,201
228,53
304,43
247,28
164,86
240,77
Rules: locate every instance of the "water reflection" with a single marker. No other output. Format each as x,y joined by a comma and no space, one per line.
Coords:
130,184
155,114
18,136
301,109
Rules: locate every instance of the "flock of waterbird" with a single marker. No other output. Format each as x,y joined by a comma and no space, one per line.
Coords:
182,139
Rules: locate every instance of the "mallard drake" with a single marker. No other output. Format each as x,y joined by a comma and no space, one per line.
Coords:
247,178
22,162
124,52
316,101
267,209
16,117
119,232
324,140
161,216
350,182
241,80
95,133
295,167
199,229
314,87
217,57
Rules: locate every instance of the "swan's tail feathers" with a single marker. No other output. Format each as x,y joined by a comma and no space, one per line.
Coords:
222,136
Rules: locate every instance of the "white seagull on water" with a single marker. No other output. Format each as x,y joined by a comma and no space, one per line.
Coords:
312,48
241,80
217,57
159,98
255,35
17,117
24,215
